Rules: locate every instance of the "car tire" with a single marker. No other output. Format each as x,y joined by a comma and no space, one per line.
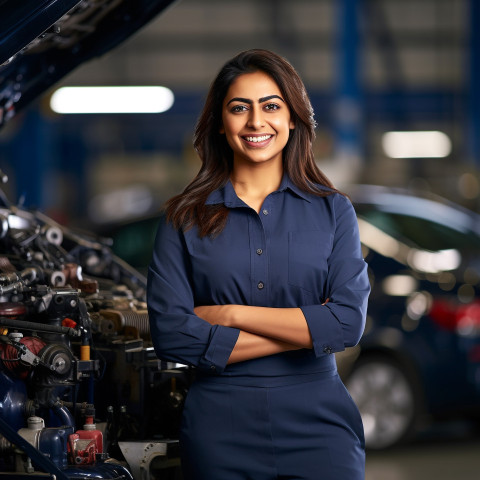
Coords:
387,398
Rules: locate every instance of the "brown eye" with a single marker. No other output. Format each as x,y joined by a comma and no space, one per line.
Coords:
238,109
272,107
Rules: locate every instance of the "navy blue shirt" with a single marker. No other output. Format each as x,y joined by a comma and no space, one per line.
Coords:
298,251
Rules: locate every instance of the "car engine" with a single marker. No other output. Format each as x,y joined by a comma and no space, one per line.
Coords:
82,393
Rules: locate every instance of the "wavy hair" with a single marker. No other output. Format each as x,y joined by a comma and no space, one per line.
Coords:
188,209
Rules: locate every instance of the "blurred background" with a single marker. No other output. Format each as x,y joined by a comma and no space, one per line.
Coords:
371,67
394,86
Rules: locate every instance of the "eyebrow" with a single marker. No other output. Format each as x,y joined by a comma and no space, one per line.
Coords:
260,100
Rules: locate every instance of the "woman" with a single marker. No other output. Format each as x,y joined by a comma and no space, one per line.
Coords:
257,278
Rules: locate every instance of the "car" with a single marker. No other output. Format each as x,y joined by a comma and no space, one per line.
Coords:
418,361
419,358
41,41
82,393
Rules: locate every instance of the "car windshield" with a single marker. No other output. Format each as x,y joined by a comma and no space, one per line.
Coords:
425,234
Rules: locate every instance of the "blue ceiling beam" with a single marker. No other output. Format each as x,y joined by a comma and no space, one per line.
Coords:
347,108
472,107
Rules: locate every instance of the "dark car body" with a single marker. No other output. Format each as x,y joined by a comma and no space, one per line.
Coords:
42,41
420,353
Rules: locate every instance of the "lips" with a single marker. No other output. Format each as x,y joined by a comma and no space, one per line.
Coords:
258,140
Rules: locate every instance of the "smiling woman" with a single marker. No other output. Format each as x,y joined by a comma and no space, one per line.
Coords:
257,278
257,128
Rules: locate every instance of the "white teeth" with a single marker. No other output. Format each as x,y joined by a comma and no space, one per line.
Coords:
258,139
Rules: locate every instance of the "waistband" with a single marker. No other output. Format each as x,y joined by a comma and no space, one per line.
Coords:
267,381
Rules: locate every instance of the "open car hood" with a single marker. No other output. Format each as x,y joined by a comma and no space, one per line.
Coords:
43,40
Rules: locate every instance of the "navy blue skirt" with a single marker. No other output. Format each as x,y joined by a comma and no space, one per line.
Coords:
298,427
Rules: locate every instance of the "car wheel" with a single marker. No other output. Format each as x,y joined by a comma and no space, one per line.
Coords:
385,396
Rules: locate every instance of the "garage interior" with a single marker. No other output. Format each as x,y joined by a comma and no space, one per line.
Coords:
371,67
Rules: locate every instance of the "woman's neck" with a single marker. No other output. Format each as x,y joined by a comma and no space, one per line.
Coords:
253,185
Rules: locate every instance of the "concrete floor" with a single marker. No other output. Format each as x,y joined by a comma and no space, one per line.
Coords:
442,458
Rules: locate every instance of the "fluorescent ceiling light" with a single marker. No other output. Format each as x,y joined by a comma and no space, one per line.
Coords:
434,262
426,144
399,285
111,100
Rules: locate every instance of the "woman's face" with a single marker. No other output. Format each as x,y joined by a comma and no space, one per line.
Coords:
255,119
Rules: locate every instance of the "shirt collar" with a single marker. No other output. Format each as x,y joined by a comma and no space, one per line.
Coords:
225,195
287,184
229,198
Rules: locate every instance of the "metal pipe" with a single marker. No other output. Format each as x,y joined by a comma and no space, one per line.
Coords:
40,327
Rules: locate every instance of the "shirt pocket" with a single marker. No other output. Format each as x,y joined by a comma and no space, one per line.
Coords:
308,253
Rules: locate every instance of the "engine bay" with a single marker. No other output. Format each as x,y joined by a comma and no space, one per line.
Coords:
82,393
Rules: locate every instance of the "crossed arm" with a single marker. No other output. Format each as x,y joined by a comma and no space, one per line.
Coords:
181,336
263,331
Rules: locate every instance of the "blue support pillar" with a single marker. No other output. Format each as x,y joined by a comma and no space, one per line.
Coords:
73,157
348,123
28,159
34,157
473,96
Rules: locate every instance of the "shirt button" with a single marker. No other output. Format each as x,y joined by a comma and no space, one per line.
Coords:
212,367
260,285
259,251
328,350
265,211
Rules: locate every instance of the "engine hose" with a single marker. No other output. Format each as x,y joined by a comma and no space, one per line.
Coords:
63,414
29,275
39,327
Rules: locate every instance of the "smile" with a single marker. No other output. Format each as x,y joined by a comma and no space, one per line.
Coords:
261,138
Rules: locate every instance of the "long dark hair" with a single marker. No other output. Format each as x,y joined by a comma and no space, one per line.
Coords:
188,208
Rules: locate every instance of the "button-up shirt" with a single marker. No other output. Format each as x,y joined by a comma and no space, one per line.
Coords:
300,250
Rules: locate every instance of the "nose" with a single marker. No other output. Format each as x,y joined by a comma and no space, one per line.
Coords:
255,119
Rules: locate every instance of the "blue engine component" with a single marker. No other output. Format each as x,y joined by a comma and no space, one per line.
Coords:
99,471
51,456
13,396
53,444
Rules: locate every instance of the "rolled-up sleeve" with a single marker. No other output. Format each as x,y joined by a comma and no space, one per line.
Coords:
341,321
178,335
